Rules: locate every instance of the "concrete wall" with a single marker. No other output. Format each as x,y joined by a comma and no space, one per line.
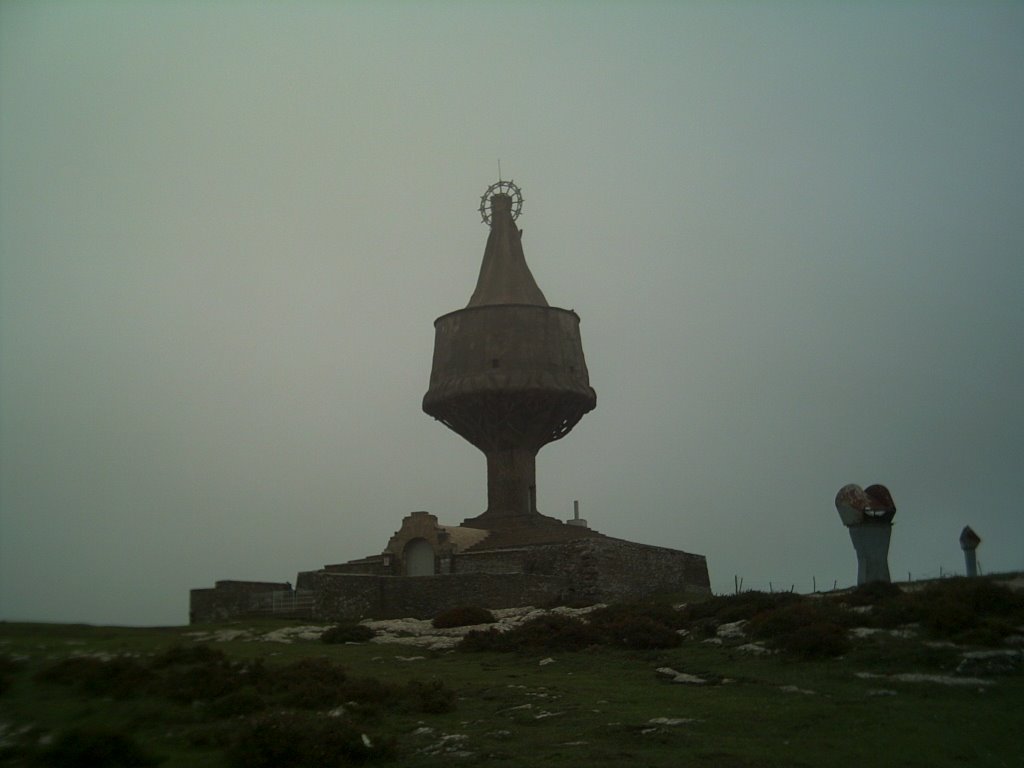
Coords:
368,565
612,569
228,599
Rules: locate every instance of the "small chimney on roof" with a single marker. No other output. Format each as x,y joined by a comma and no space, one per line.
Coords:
576,519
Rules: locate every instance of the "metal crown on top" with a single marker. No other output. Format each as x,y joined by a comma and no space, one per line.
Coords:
501,188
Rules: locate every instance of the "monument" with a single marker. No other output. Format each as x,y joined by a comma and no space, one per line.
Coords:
868,513
969,542
509,376
508,373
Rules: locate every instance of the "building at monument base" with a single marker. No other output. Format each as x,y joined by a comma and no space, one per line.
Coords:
428,567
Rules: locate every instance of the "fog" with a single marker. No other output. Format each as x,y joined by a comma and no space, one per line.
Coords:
792,232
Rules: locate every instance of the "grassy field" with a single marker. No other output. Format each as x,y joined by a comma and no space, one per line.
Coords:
83,695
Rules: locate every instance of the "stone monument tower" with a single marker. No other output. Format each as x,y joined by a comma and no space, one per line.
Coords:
509,376
508,372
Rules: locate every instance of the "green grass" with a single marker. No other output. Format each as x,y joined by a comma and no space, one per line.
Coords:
589,707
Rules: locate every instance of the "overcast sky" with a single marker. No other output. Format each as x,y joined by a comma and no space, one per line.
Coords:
793,233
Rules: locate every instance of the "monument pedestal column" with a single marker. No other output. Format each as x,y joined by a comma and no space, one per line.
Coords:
871,542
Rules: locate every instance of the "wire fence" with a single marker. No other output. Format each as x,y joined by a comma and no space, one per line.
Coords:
816,584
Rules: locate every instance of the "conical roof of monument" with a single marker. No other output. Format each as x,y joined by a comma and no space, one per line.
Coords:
504,276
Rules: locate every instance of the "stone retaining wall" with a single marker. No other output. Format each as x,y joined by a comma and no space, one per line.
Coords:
353,597
576,572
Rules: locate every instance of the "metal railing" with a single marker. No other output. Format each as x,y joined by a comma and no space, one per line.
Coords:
282,602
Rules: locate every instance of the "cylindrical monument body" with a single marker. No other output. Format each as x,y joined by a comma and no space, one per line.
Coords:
509,379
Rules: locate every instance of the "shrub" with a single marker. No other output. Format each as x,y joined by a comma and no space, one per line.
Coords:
307,684
237,703
430,698
551,632
726,609
188,655
640,633
959,608
895,613
372,692
484,640
872,593
982,597
640,626
463,616
815,641
296,740
8,667
706,627
119,677
200,673
347,633
786,619
95,748
201,682
807,628
617,613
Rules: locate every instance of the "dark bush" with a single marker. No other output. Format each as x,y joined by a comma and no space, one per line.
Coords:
982,597
463,616
201,673
872,593
188,655
8,667
237,703
95,748
120,677
296,740
201,682
430,698
641,634
618,613
371,691
815,641
959,608
307,684
808,628
904,609
771,624
216,735
551,632
347,633
640,626
726,609
706,627
484,640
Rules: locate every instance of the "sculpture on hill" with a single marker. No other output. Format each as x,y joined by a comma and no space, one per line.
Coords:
969,542
868,513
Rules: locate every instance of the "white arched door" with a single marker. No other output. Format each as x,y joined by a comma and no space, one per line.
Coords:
419,558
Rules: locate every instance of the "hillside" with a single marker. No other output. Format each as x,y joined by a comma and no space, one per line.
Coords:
877,676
